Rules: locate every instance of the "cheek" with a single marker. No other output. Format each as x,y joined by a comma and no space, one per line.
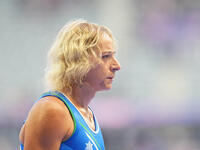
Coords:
100,73
97,74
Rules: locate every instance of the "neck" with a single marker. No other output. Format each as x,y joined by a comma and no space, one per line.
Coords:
82,96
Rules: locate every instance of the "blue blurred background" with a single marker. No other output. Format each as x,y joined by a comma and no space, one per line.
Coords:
154,103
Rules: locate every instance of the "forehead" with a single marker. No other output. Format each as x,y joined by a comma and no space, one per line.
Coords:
107,43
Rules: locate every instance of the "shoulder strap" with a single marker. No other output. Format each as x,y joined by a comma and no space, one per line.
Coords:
64,100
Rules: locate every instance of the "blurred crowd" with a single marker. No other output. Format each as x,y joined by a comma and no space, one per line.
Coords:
155,97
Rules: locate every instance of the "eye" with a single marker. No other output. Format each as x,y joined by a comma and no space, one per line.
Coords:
105,56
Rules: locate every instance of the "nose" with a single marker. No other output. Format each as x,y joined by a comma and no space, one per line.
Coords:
115,66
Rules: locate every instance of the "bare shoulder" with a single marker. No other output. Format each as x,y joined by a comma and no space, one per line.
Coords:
49,107
49,110
48,120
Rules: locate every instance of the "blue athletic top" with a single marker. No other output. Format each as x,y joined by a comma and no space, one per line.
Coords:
83,137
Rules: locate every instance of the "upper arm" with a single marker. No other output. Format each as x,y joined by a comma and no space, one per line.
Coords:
46,126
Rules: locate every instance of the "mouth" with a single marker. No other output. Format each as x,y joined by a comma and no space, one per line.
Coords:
111,78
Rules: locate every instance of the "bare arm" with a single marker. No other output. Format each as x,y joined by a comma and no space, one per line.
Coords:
48,124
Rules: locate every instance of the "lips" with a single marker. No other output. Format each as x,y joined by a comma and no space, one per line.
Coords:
110,78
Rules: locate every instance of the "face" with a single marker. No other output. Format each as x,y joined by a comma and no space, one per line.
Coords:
101,76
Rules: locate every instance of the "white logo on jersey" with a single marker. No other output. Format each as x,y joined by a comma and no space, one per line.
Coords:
88,146
93,143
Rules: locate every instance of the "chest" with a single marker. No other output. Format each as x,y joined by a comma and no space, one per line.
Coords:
90,121
84,137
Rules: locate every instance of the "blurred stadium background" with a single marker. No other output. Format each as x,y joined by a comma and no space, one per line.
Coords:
154,103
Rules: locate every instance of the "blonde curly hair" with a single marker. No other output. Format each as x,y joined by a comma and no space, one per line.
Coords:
69,57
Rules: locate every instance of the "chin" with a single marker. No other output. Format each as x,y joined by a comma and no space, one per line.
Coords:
105,88
108,87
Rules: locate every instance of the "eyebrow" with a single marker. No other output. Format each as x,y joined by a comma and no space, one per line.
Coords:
109,52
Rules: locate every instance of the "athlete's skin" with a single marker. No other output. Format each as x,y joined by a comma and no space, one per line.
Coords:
49,122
